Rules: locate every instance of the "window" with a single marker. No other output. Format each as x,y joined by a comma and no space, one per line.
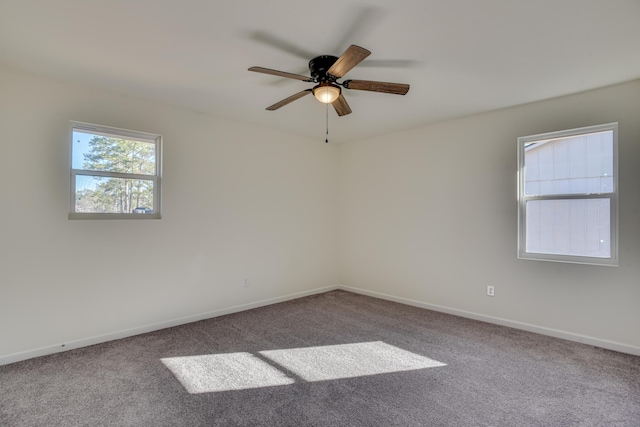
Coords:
568,196
115,173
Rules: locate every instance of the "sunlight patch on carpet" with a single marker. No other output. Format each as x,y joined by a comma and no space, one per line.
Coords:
221,372
333,362
238,371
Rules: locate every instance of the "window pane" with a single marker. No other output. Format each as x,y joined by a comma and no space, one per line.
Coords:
95,194
572,165
578,227
112,154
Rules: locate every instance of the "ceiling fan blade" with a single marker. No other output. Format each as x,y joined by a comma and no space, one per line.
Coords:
393,88
360,22
288,100
280,44
349,59
280,74
341,106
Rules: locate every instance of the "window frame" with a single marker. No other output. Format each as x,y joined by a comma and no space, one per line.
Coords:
523,198
118,133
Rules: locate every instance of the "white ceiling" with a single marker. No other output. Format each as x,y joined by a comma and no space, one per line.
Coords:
459,56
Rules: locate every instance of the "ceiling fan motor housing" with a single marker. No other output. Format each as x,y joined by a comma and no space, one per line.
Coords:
319,66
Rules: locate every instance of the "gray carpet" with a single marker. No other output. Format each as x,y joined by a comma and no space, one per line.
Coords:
335,359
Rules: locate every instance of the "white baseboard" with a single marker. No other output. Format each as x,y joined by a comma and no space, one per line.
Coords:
84,342
584,339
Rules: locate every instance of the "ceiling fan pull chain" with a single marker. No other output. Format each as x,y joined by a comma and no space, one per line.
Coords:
326,140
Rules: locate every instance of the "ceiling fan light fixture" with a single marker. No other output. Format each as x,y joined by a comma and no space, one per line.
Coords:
326,93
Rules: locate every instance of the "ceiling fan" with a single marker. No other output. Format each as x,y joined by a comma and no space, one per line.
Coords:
325,70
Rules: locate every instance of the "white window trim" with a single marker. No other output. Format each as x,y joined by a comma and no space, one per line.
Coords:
117,132
613,197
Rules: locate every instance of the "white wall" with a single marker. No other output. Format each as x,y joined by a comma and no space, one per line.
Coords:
238,201
429,216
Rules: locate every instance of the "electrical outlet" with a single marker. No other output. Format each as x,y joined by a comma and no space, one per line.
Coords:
490,291
246,282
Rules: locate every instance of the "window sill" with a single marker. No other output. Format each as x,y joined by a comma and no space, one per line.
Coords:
103,216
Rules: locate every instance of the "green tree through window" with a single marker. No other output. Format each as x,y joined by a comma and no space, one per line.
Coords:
112,174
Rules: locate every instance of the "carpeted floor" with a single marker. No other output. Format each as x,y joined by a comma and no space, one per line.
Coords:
335,359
